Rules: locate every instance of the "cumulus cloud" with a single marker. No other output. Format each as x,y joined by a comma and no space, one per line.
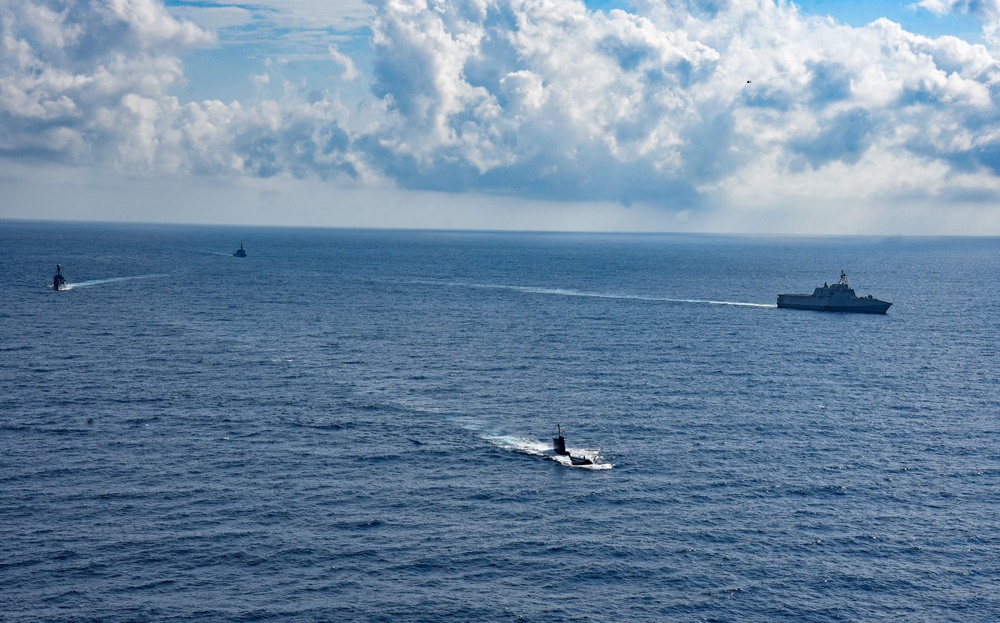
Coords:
72,70
674,102
541,96
688,105
87,82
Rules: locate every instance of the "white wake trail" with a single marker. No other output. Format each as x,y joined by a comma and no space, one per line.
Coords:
585,294
97,282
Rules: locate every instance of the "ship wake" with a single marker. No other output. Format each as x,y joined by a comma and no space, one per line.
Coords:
97,282
586,294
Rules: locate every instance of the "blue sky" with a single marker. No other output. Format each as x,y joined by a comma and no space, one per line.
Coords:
685,115
921,21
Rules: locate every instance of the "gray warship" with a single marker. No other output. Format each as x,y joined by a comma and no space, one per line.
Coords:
839,297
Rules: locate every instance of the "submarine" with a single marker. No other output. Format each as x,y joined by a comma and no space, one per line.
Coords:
559,447
58,281
241,252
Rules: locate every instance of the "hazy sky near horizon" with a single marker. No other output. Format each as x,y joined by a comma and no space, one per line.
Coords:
649,115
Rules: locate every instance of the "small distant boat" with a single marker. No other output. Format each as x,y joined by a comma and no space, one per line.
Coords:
58,281
241,252
839,297
559,447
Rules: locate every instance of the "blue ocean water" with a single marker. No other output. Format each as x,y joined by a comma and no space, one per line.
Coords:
350,426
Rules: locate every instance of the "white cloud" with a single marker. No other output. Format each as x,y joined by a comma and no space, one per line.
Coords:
88,84
150,25
544,97
70,69
350,71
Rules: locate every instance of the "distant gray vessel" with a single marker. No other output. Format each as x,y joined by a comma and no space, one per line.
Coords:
58,282
839,297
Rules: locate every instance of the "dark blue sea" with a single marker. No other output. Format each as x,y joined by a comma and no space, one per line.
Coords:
353,425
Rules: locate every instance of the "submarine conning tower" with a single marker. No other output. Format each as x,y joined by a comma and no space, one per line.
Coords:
559,443
58,280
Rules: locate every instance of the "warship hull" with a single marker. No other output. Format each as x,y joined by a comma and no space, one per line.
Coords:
808,302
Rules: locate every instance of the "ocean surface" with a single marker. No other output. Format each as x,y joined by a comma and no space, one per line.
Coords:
353,425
